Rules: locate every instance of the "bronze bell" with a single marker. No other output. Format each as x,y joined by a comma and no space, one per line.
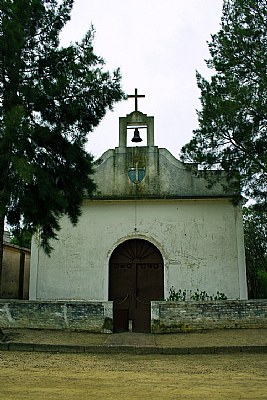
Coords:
136,137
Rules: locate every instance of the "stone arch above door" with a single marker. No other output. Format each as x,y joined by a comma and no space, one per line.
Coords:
136,277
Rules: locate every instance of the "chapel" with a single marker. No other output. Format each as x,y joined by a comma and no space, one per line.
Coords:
152,224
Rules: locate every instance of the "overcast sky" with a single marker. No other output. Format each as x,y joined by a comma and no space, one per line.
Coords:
158,45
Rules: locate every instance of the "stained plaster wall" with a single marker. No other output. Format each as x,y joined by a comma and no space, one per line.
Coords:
165,176
201,241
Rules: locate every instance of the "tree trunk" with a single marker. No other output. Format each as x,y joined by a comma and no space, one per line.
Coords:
2,229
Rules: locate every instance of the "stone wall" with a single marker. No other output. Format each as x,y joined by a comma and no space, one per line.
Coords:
97,316
76,316
193,316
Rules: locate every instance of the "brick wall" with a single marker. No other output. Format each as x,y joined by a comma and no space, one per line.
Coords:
192,316
93,316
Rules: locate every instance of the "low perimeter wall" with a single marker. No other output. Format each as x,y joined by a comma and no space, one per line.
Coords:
97,316
186,316
93,316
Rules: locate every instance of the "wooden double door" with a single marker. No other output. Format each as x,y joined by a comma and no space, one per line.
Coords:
136,278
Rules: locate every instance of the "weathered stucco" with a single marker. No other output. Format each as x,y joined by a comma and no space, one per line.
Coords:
200,240
165,176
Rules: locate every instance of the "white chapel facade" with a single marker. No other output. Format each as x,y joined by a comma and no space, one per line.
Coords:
151,224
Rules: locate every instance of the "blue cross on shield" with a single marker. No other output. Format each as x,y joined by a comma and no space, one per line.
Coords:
136,175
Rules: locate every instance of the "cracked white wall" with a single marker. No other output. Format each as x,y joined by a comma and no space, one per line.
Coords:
201,242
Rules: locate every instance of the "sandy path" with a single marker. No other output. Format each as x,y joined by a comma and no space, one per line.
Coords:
45,376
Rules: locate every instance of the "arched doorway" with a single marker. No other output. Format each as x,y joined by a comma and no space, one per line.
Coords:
135,278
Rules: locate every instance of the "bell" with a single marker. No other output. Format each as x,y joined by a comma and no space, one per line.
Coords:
136,137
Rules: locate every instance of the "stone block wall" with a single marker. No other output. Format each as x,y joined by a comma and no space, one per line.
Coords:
97,316
93,316
193,316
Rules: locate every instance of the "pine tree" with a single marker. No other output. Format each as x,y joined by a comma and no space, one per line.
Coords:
255,229
50,99
232,131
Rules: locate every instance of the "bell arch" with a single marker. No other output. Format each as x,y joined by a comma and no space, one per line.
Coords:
136,119
136,277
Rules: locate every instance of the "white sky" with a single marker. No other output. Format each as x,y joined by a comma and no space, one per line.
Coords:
158,45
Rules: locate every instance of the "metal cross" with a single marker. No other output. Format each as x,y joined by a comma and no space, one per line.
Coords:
136,96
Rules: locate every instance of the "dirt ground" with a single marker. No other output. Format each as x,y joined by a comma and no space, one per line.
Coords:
228,337
123,376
